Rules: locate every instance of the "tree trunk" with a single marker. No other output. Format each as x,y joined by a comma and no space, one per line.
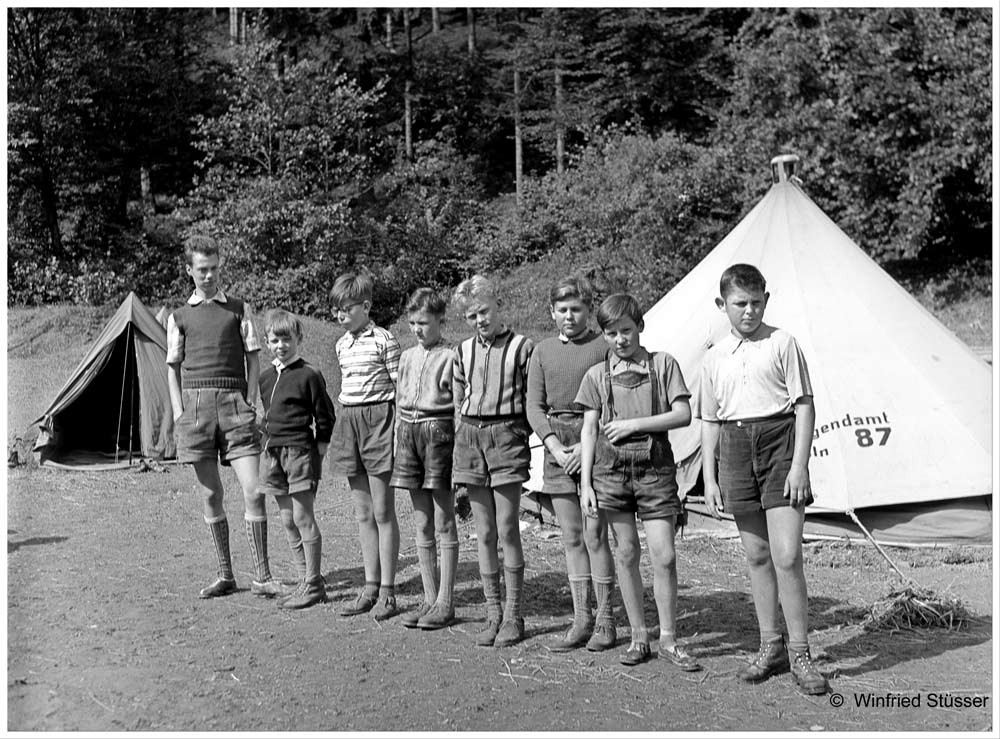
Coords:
388,31
518,152
50,202
560,119
470,16
408,87
234,26
146,187
435,20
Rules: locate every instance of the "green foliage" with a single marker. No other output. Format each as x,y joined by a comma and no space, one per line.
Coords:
636,213
890,109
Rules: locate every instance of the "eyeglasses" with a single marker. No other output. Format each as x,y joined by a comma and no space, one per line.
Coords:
345,309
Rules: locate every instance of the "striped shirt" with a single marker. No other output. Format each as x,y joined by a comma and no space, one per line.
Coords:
424,390
369,363
490,379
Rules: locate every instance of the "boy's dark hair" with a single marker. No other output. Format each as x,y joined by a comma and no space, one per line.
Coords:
743,276
575,286
351,287
200,244
425,298
281,323
616,307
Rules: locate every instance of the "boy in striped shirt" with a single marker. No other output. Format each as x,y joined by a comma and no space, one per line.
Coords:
491,449
361,447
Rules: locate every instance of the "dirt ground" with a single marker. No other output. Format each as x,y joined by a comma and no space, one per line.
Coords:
105,631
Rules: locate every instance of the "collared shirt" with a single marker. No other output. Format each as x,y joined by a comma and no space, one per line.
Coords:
369,365
424,390
555,370
752,378
280,366
175,339
635,401
490,378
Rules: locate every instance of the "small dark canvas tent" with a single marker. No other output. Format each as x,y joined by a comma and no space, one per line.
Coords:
114,410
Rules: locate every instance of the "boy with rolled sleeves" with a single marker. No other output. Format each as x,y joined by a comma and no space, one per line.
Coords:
425,438
757,411
627,467
213,369
492,457
298,421
363,438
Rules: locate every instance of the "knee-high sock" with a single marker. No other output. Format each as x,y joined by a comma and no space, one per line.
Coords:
256,530
220,537
449,566
514,579
427,556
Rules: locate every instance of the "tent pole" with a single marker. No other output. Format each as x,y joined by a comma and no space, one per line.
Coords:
121,401
131,398
881,551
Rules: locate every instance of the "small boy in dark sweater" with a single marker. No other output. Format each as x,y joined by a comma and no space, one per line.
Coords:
295,403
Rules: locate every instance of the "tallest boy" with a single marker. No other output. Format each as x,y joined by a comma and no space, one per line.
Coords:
212,358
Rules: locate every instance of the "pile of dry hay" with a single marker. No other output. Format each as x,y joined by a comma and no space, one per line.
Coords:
912,608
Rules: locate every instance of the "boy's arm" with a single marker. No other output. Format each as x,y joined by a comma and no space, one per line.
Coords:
174,388
458,381
323,413
392,354
588,443
797,487
679,415
253,377
709,443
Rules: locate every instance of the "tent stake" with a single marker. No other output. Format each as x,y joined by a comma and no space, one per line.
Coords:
881,551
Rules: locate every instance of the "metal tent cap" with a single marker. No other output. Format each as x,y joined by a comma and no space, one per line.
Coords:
784,167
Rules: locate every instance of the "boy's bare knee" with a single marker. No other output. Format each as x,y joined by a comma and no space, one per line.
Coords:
758,557
627,554
787,561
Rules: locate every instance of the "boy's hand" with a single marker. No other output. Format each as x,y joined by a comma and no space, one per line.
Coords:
713,499
572,464
797,485
618,430
588,501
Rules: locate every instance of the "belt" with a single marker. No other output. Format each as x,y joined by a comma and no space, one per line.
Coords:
760,419
481,421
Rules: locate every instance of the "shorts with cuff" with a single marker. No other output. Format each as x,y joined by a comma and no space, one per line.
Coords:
362,439
555,480
491,453
291,470
423,454
217,423
755,457
647,489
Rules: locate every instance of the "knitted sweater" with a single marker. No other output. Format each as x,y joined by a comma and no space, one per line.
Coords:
295,399
556,368
213,345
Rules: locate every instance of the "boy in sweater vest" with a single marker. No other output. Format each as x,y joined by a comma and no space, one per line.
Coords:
295,402
213,368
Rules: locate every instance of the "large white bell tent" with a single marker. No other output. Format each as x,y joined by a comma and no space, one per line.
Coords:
114,410
903,438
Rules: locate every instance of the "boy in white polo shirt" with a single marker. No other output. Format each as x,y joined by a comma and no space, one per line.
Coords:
756,407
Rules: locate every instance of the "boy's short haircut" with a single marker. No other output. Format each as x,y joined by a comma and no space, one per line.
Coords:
742,276
281,323
428,299
351,287
474,289
575,287
200,244
616,307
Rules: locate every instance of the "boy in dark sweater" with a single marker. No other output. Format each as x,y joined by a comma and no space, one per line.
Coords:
212,375
295,402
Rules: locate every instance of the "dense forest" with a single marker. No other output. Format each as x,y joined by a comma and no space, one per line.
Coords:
425,144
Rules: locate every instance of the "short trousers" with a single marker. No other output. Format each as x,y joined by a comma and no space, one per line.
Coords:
648,489
362,439
216,424
423,454
291,469
754,460
491,453
555,480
